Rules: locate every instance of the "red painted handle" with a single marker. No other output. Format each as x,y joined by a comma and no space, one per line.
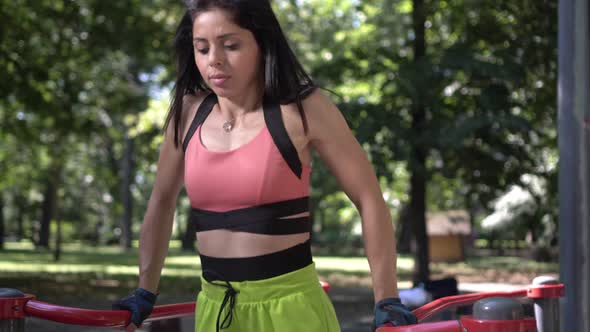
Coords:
104,318
109,318
120,318
447,326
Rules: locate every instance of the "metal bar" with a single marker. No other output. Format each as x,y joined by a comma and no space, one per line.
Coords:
436,306
104,318
546,309
533,292
448,326
574,160
120,318
109,318
12,317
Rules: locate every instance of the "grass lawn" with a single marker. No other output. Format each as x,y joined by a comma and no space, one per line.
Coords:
108,272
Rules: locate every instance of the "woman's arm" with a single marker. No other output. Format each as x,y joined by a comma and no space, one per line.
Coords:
339,149
157,224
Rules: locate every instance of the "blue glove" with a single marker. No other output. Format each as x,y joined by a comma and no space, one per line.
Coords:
392,311
140,302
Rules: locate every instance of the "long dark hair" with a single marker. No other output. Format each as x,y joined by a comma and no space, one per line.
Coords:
285,80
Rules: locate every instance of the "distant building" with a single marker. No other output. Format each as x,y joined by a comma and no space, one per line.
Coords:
448,232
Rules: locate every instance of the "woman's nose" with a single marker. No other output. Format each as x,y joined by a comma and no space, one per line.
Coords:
215,57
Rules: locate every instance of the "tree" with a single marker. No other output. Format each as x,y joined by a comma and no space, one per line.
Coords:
457,91
57,65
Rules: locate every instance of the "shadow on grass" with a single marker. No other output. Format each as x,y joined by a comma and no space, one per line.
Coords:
87,290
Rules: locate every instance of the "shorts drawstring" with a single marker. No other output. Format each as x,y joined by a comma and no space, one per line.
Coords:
230,297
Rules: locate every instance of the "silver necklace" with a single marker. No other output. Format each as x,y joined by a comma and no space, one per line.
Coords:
229,125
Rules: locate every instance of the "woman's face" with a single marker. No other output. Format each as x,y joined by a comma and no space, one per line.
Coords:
226,55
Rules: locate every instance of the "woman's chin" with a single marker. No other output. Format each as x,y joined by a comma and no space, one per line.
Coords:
230,91
224,92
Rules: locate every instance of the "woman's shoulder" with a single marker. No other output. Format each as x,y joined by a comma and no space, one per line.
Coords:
191,102
317,108
190,105
313,103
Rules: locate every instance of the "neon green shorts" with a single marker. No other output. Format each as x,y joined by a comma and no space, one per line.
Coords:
292,302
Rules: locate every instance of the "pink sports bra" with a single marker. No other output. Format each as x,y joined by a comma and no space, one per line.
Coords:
253,174
250,188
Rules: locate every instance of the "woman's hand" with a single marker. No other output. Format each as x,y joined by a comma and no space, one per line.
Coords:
392,312
140,303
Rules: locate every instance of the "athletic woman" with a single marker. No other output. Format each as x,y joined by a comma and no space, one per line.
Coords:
242,124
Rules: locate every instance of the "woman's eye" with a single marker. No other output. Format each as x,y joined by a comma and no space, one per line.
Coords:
203,50
232,47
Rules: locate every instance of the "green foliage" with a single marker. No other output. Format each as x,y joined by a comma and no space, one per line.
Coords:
76,84
487,83
83,76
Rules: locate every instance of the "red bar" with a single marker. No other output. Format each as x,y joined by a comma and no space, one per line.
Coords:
436,306
447,326
13,307
517,325
104,318
9,308
545,291
536,291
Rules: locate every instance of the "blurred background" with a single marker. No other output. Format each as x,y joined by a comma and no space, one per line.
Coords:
453,100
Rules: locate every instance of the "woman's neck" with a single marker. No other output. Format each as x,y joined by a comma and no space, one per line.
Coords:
234,106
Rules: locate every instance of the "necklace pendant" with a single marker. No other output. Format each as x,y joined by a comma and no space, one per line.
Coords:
228,126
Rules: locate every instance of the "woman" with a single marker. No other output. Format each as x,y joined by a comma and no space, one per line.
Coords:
242,124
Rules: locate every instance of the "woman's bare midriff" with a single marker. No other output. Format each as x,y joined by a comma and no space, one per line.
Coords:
228,244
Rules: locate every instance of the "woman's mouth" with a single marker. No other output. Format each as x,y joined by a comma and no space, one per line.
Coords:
218,80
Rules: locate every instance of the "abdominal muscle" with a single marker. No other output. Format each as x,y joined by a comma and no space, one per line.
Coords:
230,244
224,243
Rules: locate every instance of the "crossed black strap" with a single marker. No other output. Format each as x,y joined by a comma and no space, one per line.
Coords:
261,219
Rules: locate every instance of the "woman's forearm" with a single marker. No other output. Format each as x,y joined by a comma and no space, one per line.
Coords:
154,239
379,240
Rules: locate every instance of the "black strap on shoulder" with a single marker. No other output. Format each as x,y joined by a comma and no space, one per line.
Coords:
202,113
274,121
262,219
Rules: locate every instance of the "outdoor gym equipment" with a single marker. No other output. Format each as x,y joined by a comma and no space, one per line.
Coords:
492,311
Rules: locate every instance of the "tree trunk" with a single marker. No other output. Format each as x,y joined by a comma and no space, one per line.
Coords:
418,213
49,206
57,251
127,199
188,238
1,222
20,212
418,157
404,231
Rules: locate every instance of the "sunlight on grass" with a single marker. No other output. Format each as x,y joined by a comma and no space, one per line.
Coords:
175,272
184,260
23,260
66,268
112,261
23,245
83,247
355,264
